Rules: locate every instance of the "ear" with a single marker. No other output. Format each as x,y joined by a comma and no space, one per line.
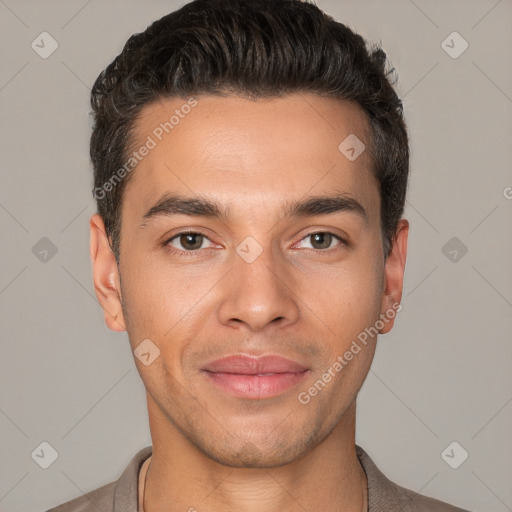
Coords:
394,275
106,275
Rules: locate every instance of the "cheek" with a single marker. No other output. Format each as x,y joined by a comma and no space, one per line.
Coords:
165,305
347,300
153,288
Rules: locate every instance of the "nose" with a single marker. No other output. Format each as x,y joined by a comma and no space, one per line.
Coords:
258,294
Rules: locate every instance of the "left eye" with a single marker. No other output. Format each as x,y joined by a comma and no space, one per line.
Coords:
321,240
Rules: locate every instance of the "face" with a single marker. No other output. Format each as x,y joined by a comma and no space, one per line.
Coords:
248,235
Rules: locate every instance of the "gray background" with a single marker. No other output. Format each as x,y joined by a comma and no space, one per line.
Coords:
442,375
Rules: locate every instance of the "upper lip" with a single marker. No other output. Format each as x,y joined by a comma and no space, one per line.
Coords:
242,364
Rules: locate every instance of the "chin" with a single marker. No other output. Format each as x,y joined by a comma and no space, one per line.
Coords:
254,455
250,457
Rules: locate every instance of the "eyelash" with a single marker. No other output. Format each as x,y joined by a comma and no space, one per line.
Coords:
192,253
179,252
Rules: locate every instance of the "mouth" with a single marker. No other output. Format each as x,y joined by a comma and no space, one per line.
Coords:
255,378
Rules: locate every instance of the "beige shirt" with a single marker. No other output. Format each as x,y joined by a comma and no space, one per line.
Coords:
125,494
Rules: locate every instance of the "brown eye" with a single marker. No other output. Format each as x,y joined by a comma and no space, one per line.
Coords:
322,240
187,241
191,241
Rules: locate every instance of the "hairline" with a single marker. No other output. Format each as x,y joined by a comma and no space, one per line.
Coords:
230,92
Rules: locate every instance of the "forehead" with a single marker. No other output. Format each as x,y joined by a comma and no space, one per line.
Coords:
251,150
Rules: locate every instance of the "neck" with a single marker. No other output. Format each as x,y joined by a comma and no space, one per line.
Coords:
182,478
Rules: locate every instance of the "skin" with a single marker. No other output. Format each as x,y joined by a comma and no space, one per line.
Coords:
299,299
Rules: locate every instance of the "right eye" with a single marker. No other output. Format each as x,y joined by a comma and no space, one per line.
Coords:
187,241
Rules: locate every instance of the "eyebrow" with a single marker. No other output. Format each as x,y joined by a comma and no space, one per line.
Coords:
175,204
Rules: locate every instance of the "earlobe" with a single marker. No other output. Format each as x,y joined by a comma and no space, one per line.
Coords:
394,276
105,275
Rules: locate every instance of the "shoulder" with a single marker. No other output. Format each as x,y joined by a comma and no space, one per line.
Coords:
406,500
117,496
386,496
99,500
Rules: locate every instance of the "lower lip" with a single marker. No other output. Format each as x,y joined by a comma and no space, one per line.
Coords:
256,386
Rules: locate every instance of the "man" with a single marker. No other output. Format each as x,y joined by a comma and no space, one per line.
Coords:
251,164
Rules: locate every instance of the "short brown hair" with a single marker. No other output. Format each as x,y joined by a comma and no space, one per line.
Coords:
254,48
